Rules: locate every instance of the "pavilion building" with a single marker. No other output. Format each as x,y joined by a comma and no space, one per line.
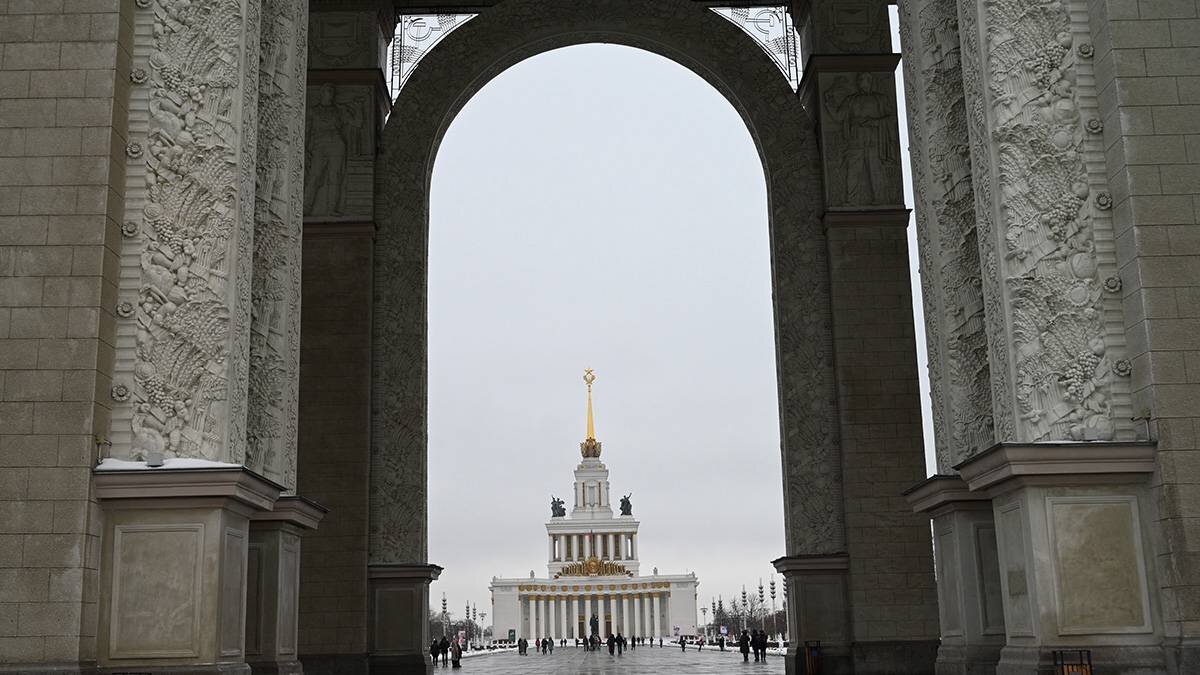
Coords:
593,570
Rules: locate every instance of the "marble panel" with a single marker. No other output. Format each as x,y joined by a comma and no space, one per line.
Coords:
156,593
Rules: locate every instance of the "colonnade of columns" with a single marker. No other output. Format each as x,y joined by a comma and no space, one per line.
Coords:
604,545
568,616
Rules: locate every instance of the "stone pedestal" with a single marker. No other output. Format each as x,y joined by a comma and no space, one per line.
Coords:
1073,524
173,568
971,612
819,607
273,585
398,626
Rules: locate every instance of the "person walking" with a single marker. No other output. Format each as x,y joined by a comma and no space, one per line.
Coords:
700,643
620,644
744,645
549,641
612,644
455,654
444,648
682,644
434,651
721,642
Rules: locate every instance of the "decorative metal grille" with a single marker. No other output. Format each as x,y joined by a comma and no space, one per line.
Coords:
416,34
772,29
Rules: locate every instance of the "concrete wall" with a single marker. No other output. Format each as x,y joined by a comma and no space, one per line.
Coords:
1148,78
63,87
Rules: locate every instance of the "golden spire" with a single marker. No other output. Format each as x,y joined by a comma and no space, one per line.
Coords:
590,447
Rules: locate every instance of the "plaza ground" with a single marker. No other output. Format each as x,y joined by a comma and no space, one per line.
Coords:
641,660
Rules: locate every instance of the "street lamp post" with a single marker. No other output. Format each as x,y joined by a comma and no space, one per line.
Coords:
444,615
704,611
761,606
772,604
745,607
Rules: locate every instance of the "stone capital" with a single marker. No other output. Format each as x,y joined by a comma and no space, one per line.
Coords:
940,493
838,563
1006,466
292,510
243,490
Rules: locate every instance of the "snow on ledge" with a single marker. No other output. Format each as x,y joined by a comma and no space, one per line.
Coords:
112,464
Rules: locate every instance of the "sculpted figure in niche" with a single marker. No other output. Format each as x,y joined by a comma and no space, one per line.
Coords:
327,148
870,147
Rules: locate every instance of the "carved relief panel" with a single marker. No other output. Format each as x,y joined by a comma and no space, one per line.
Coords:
843,27
339,150
275,316
945,214
860,140
179,385
1045,235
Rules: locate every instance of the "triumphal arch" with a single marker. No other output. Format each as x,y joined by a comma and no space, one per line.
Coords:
213,235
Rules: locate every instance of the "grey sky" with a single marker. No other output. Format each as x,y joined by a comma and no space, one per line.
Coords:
604,207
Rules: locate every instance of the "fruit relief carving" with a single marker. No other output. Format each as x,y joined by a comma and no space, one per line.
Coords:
272,415
193,299
340,152
1045,246
861,140
951,275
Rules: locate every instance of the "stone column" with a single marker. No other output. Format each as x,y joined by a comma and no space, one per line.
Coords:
637,615
527,626
551,618
173,567
1051,294
273,585
849,86
656,616
626,614
1075,552
274,366
970,606
576,551
550,553
612,546
399,616
951,277
534,608
587,546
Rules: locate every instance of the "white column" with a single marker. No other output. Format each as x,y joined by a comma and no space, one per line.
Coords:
575,554
608,544
547,618
550,554
625,614
657,617
574,617
633,546
534,608
637,614
620,546
587,546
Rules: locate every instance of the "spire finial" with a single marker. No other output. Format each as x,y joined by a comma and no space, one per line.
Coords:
590,446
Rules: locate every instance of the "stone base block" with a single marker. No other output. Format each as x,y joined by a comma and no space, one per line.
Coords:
967,659
173,568
1111,660
398,632
276,667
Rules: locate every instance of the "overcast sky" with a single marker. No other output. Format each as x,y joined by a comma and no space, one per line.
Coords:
600,206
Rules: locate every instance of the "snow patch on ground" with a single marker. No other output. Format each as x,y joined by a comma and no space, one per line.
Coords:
113,464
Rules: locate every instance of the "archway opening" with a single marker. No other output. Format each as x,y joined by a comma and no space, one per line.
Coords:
601,206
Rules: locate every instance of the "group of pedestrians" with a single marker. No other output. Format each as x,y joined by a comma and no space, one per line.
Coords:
442,650
756,642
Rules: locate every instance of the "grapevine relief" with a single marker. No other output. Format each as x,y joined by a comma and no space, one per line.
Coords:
192,313
448,75
1045,250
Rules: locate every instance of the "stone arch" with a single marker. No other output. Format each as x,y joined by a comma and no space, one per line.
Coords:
784,134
